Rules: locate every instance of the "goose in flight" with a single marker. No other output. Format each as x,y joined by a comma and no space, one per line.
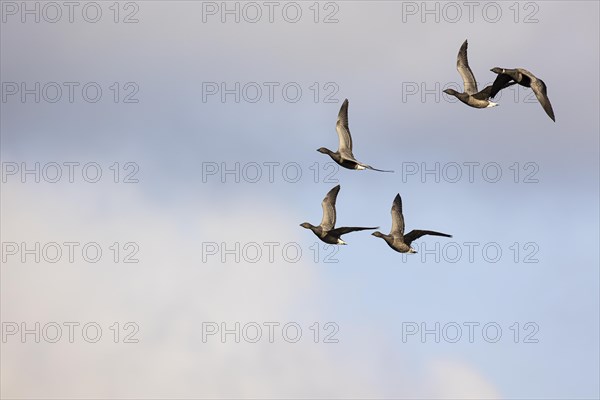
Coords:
397,240
326,231
527,79
471,96
344,156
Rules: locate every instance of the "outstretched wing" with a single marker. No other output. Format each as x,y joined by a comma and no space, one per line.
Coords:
328,204
348,229
397,217
414,235
462,65
539,89
343,130
366,166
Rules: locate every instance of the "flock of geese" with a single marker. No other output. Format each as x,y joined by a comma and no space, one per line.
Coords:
396,239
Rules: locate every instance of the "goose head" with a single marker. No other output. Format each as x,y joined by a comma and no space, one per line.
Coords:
451,92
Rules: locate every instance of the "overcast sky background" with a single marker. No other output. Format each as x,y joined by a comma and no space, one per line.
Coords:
374,55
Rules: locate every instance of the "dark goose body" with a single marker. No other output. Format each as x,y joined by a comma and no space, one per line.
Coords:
396,239
326,231
526,79
344,156
471,95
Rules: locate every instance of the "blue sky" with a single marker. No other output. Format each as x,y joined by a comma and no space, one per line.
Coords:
372,55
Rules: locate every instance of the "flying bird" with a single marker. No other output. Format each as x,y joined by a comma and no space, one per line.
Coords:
397,240
527,79
326,231
471,96
344,156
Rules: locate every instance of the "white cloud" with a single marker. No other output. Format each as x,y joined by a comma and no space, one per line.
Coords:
169,294
457,380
